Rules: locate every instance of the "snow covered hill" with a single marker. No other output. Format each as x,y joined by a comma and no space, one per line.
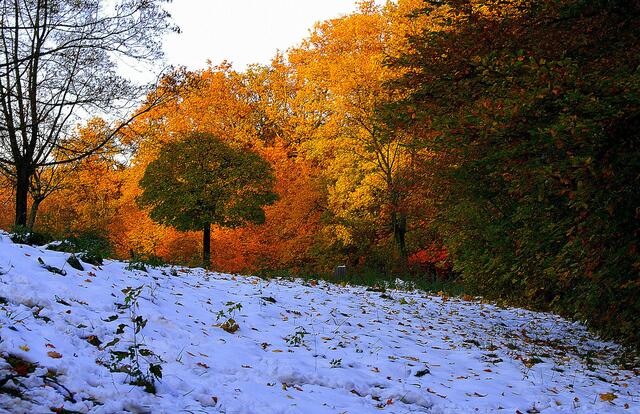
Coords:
245,345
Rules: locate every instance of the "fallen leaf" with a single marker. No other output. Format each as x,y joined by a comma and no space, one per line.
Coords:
230,326
25,348
54,354
608,396
22,369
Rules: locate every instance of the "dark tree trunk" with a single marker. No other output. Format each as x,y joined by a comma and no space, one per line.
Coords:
399,224
23,178
206,246
49,76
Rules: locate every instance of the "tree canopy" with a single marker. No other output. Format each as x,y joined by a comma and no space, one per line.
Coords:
535,112
201,181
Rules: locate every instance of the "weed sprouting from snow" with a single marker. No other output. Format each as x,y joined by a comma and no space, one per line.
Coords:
229,325
142,366
297,338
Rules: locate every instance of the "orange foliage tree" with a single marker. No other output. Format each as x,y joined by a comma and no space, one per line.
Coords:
351,190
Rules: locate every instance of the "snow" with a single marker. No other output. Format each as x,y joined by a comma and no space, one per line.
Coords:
355,351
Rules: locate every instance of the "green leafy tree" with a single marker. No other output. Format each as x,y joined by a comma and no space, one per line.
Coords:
201,180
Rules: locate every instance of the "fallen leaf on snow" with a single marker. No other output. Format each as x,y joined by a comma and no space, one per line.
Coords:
608,396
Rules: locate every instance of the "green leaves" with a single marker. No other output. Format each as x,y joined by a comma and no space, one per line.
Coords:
201,180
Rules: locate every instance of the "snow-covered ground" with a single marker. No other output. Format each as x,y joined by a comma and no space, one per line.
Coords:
300,347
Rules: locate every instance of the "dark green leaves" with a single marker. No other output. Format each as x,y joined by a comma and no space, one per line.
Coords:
201,180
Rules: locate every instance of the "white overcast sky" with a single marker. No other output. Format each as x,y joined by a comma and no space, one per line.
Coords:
243,31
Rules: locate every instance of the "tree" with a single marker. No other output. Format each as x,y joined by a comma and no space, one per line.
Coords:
369,168
200,180
535,109
58,66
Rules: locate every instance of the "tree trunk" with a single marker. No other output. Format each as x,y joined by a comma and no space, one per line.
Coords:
399,224
23,178
33,213
206,246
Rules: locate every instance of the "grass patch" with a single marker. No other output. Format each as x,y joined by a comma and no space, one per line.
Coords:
369,278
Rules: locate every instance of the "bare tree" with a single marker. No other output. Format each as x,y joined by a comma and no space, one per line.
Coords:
59,65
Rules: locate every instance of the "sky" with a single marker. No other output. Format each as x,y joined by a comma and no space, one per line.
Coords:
243,31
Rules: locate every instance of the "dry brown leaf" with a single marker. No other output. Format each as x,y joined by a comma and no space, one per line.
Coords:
608,396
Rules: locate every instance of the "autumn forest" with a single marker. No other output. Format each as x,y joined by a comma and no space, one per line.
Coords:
491,145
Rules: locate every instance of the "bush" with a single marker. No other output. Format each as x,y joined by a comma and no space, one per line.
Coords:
91,247
141,261
23,235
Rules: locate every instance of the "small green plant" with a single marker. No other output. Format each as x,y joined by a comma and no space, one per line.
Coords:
336,363
297,338
229,325
142,366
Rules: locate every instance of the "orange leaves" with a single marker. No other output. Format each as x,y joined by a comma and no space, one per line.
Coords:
54,354
310,114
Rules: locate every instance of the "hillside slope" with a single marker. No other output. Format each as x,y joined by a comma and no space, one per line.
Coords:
66,341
